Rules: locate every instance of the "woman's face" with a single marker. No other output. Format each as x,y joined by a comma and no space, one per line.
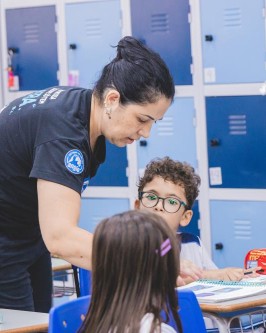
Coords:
131,122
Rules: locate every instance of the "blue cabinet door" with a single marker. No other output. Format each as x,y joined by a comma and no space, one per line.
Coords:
90,41
164,26
91,37
236,228
31,34
95,210
233,41
236,141
173,136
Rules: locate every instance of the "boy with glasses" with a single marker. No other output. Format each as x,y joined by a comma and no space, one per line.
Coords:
169,188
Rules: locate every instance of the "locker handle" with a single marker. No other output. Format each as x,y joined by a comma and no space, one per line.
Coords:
73,46
143,143
219,246
208,38
215,142
12,50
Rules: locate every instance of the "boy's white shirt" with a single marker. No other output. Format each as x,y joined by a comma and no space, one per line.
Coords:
146,322
197,254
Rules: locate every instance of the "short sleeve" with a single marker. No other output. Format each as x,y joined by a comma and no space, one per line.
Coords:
62,162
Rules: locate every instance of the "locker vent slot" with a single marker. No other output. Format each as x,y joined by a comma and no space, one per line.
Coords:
166,126
237,124
159,23
31,33
93,27
242,229
232,17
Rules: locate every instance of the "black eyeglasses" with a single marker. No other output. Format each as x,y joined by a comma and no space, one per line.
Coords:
170,204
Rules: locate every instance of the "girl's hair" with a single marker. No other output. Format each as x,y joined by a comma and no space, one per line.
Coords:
137,73
176,172
130,276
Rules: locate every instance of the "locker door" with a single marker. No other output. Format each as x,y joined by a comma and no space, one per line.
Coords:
90,40
31,34
233,39
164,26
173,136
95,210
237,227
193,226
236,141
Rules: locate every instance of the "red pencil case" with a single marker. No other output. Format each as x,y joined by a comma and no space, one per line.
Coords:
256,258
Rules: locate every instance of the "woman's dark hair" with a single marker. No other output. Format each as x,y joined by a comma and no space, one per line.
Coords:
130,277
176,172
138,73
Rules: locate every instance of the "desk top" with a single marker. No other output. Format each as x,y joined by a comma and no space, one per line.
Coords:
60,264
234,305
17,321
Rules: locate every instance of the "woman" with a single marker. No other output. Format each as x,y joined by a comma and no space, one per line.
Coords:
135,263
51,143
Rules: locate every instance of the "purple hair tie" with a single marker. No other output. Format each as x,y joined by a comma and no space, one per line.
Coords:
165,247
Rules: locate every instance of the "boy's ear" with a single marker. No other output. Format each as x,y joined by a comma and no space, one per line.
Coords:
186,218
137,204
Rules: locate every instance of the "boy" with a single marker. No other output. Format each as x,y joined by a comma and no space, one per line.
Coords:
169,188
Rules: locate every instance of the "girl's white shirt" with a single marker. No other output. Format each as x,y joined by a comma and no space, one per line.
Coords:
146,323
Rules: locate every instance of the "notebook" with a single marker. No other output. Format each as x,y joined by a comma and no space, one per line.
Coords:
211,291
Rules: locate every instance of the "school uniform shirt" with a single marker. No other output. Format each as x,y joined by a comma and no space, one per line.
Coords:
192,249
44,135
146,322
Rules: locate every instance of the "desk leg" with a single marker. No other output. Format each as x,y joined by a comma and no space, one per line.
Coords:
218,322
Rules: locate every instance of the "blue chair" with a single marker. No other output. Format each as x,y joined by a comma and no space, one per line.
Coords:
84,282
189,312
69,316
82,278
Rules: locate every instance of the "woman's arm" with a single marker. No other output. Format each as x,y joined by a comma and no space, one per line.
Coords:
59,209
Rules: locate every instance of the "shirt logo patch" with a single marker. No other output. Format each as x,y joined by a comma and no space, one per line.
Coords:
74,161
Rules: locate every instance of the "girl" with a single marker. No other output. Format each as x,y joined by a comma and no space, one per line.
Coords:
134,268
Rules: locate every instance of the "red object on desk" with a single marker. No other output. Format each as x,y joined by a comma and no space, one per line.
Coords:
256,258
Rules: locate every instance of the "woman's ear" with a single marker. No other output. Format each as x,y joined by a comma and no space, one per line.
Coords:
186,218
112,98
137,204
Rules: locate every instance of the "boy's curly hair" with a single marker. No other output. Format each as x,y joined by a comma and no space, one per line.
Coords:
179,173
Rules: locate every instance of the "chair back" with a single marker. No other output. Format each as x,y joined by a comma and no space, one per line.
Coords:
84,282
68,317
190,313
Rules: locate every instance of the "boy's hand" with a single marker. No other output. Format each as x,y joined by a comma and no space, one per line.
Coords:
189,272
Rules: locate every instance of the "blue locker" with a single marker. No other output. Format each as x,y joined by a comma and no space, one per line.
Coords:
236,228
90,37
31,36
233,41
164,26
90,42
113,171
95,210
236,140
193,226
173,136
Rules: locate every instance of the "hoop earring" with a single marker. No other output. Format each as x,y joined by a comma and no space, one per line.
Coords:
108,111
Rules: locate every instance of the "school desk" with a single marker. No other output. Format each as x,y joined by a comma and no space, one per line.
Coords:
222,313
18,321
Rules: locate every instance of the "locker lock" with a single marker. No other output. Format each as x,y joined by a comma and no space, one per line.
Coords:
219,246
143,143
12,50
72,46
215,142
208,38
